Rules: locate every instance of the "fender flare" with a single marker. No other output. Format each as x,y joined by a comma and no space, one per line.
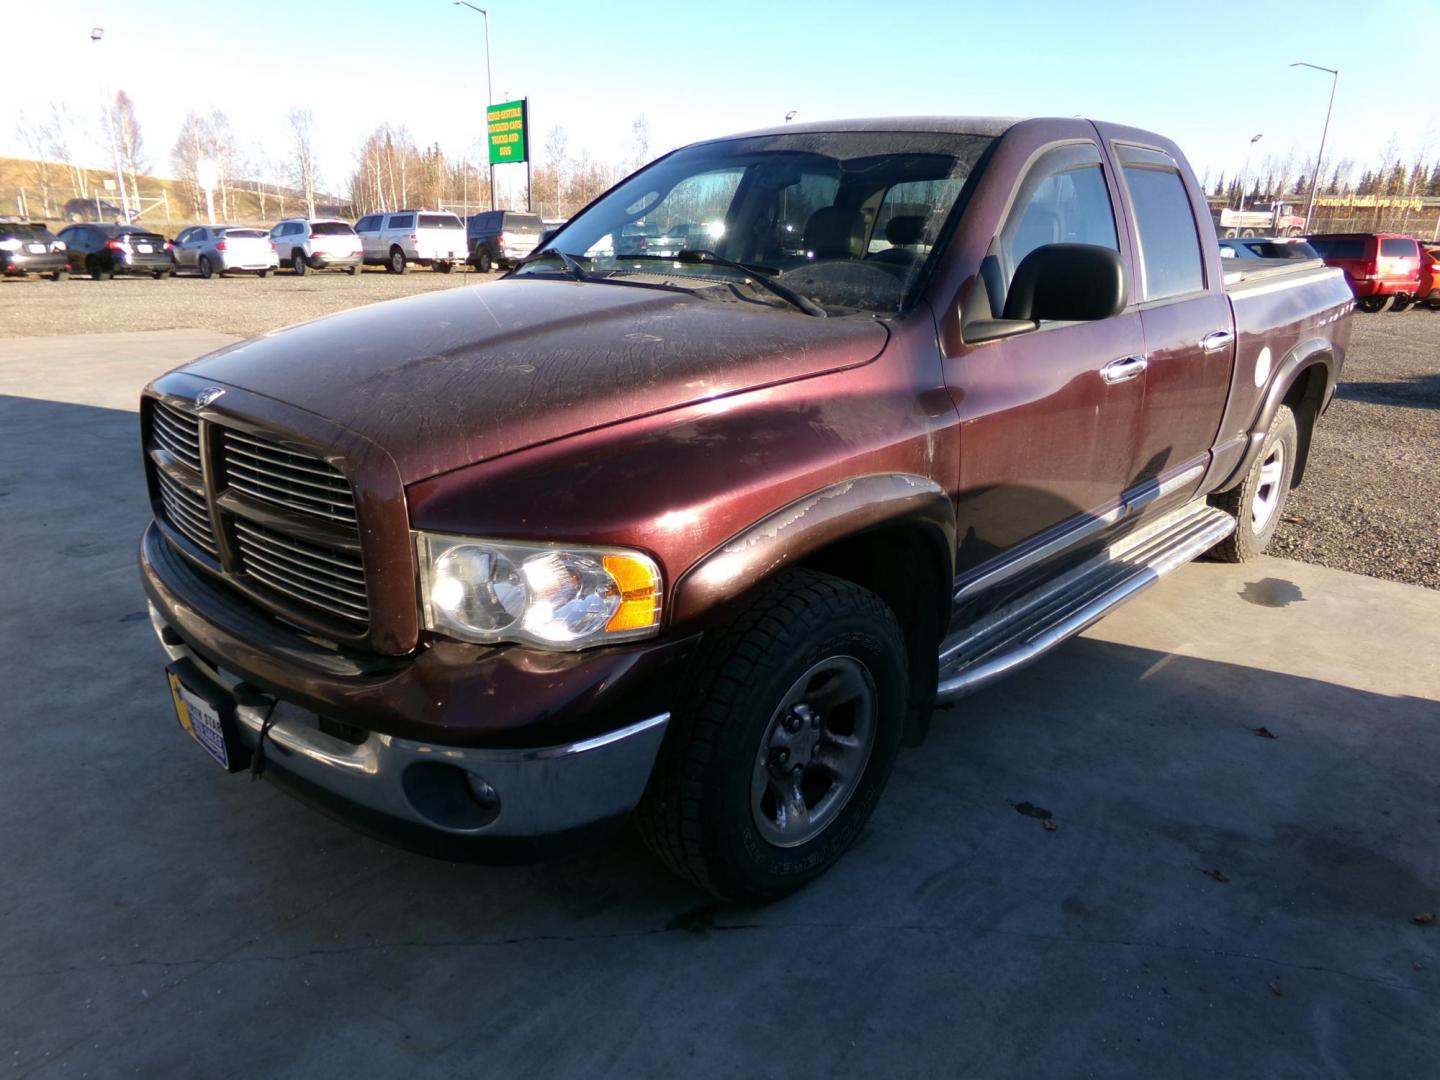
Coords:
1311,353
806,525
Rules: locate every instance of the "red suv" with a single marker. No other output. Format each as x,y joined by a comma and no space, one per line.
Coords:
1429,291
1382,268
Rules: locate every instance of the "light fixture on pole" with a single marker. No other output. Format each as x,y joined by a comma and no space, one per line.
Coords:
1334,74
489,91
1246,168
790,115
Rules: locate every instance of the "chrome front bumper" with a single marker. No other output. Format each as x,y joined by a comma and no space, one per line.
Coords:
460,793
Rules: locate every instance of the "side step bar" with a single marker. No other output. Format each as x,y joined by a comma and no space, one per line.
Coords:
1008,639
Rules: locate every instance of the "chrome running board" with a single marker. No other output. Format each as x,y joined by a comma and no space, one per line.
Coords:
1023,630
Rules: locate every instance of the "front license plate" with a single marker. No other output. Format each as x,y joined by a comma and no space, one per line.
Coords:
204,719
144,249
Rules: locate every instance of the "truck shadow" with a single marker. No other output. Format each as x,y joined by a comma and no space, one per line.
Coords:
1416,392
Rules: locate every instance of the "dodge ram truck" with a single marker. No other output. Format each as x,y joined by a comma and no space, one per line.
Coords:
700,539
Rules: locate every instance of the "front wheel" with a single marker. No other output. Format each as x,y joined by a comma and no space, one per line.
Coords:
1258,503
442,267
298,264
206,267
785,738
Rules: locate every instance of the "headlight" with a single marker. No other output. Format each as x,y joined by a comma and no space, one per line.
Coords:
556,597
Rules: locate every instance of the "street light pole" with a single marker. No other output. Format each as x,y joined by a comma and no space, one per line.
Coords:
1320,160
1246,168
96,35
489,88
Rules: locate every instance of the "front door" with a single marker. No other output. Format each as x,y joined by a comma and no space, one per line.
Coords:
1050,419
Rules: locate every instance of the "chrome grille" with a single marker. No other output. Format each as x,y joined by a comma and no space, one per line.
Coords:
269,473
322,577
178,433
187,512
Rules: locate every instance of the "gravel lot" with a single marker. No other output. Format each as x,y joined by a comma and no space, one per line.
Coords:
242,304
1370,503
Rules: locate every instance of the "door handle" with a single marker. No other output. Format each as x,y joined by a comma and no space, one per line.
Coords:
1124,369
1220,339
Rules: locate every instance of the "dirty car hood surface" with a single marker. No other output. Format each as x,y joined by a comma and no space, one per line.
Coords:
460,376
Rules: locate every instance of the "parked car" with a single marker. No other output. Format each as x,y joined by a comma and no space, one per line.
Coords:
489,575
102,251
1382,268
221,249
433,238
317,245
94,210
1267,247
1278,219
501,238
30,248
1428,291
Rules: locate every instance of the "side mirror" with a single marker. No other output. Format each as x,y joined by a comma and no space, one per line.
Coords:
1058,283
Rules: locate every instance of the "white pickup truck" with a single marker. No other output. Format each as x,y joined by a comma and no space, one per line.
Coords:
433,238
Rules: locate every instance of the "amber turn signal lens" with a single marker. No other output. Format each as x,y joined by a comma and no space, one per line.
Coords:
639,586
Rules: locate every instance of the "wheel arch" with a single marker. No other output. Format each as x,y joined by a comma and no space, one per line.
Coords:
1304,380
891,533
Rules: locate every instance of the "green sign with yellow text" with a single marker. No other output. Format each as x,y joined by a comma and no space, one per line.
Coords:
507,132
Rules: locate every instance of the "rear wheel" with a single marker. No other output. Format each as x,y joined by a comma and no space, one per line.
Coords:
397,263
784,741
100,269
263,273
207,268
1373,304
160,275
1258,503
1400,303
298,264
1433,301
482,262
58,275
1247,232
442,267
1230,234
353,271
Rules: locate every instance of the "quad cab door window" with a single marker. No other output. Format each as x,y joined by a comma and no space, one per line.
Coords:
1050,413
1188,333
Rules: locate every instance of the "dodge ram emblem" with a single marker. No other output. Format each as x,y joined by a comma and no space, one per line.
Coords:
206,396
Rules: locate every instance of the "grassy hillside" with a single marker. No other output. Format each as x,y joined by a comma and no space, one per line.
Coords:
165,203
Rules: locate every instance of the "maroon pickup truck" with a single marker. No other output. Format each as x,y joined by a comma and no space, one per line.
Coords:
698,539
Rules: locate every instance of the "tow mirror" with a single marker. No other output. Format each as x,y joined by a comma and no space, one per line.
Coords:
1058,283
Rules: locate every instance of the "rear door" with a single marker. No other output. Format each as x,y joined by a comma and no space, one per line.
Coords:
1399,261
1189,339
1049,418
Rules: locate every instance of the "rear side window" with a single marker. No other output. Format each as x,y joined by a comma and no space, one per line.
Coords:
328,228
524,224
366,224
402,221
244,234
1399,249
439,221
1340,247
1169,245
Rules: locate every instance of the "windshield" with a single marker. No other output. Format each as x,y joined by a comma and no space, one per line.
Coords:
848,219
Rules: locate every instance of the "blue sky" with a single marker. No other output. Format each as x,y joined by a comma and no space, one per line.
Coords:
1209,75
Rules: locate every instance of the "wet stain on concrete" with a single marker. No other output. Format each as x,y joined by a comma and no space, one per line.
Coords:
1271,592
1031,810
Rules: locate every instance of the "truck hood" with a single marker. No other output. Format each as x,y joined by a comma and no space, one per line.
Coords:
461,376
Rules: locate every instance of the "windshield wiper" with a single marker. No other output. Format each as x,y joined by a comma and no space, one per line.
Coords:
699,255
571,264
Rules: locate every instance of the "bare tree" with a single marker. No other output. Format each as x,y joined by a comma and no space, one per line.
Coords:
33,137
639,142
303,156
194,142
128,140
62,132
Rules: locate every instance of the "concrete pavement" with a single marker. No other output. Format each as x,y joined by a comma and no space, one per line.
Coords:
1211,901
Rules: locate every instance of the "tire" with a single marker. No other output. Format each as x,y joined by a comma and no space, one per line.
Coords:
206,268
396,263
57,275
352,271
1247,232
298,264
442,267
1400,303
99,271
263,273
1268,484
1230,234
1433,303
160,275
1373,304
713,812
482,262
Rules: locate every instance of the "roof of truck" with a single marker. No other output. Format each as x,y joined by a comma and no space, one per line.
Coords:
956,125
